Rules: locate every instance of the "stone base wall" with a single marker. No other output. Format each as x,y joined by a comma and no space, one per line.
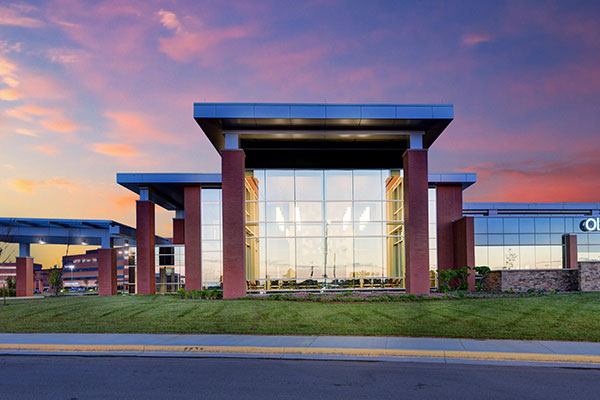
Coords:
492,281
589,276
521,280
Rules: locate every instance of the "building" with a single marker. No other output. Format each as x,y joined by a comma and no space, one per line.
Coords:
80,271
535,235
322,197
312,196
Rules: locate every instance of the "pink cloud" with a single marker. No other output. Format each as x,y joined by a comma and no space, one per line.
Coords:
137,128
61,125
30,186
115,149
10,94
473,39
14,15
186,46
47,149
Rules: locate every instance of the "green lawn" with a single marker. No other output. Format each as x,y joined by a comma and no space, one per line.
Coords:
554,317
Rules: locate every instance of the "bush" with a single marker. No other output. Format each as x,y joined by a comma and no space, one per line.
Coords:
457,278
208,294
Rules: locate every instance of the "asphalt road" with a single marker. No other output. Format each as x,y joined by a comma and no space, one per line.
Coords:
38,377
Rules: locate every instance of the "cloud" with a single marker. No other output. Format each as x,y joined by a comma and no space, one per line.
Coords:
65,55
10,94
26,132
12,82
473,39
13,14
61,124
7,47
47,149
115,149
30,186
169,20
570,179
136,128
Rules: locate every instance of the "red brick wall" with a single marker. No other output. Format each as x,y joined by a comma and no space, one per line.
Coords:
448,210
234,235
107,272
464,246
178,231
193,238
416,237
25,279
146,280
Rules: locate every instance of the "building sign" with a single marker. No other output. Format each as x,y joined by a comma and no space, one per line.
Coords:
590,225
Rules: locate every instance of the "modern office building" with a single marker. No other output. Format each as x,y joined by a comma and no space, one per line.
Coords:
535,235
311,196
326,197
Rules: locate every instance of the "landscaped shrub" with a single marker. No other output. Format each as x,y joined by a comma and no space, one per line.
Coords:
453,278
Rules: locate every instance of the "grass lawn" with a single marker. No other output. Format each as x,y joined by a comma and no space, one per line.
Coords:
555,317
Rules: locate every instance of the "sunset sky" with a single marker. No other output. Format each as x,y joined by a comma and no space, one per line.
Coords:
88,89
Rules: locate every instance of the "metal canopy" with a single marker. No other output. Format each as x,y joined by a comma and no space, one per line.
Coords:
166,190
87,232
293,135
464,179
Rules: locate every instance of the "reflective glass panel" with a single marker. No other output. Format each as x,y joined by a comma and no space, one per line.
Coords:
338,185
480,224
338,211
280,185
542,225
557,225
367,257
494,225
367,185
309,258
526,225
309,211
309,185
511,225
339,256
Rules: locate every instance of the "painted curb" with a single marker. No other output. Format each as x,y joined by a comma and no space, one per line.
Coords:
304,352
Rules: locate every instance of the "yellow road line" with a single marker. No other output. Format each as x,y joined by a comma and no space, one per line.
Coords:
318,351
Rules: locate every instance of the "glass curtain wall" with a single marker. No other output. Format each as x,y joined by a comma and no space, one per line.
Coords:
530,242
313,229
212,246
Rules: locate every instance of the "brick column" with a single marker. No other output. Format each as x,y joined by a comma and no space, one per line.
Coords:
107,272
193,238
234,235
24,276
570,250
178,231
416,238
464,246
448,210
145,257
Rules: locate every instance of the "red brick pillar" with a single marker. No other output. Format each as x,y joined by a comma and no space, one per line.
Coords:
448,210
193,238
464,246
234,235
570,250
145,257
178,231
107,272
416,237
24,276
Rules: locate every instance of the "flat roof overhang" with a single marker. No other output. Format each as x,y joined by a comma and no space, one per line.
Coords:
299,135
86,232
166,189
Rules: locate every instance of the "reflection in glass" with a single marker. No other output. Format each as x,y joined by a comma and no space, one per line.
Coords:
309,185
338,185
333,228
280,185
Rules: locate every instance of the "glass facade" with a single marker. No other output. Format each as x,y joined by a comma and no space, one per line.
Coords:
312,229
528,242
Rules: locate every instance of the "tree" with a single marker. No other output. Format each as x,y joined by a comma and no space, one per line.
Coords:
6,250
56,280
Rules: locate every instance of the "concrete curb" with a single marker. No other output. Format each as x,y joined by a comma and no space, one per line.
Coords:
320,353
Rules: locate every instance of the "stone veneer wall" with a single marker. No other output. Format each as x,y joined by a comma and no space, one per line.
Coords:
589,276
492,281
521,280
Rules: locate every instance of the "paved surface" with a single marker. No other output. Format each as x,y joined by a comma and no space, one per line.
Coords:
40,377
432,350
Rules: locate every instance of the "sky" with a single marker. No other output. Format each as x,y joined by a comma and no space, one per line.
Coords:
88,89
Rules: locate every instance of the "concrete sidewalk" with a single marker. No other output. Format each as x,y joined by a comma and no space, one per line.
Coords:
497,352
